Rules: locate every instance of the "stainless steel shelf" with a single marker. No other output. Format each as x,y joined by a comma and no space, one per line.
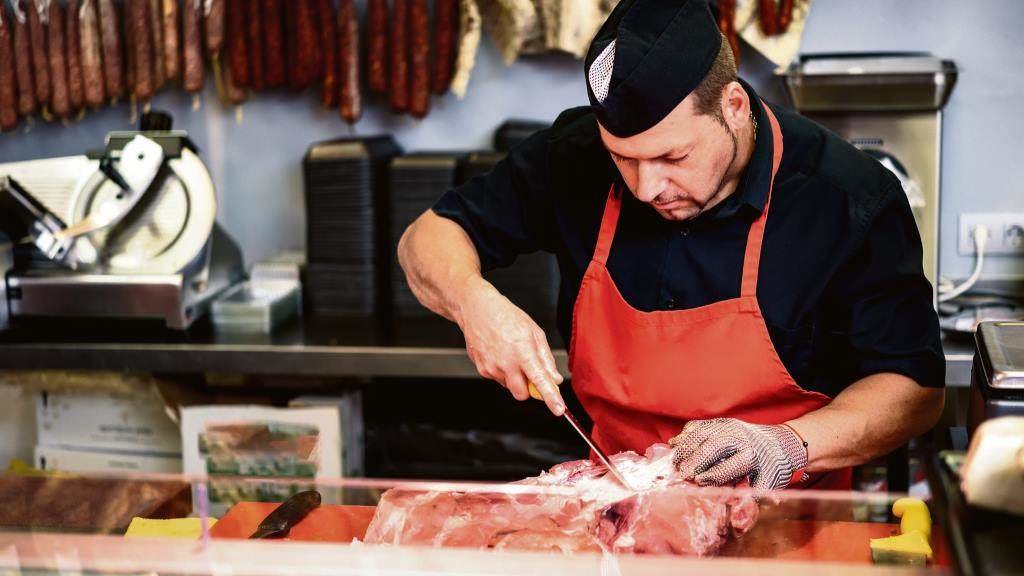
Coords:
423,349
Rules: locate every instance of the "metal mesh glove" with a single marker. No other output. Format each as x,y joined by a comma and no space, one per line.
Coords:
725,451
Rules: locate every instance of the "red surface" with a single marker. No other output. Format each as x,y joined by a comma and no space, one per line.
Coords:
325,524
799,540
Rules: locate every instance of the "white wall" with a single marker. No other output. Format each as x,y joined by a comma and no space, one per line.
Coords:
256,164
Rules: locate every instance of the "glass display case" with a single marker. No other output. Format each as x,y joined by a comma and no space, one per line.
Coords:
169,524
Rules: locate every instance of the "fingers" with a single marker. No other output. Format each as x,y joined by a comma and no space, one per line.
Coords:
517,385
548,389
729,470
694,433
547,358
712,451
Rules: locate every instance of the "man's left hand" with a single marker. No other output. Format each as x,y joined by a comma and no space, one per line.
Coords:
725,451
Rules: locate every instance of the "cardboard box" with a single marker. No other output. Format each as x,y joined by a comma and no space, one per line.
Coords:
86,461
107,422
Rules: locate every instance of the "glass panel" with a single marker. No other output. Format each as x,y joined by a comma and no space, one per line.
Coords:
77,525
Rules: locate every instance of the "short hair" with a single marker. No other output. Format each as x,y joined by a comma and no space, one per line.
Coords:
709,91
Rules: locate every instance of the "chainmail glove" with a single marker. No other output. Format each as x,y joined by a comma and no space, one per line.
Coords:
724,451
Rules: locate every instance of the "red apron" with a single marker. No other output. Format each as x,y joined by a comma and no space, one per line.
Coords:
642,375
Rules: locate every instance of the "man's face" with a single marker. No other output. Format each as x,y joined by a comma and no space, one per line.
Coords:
679,166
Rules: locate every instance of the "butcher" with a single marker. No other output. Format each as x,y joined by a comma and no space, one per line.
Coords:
736,280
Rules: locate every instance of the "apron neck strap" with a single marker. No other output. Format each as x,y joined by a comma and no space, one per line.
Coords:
755,237
609,221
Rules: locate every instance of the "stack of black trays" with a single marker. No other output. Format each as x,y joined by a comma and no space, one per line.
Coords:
417,182
346,190
531,282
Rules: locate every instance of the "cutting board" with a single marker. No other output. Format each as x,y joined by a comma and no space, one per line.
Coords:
821,541
328,523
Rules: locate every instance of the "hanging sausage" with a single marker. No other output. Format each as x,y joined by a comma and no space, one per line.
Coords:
399,57
73,47
110,38
350,105
8,76
419,58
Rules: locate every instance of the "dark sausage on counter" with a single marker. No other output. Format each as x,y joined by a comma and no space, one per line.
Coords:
377,55
399,57
275,51
76,93
40,63
328,20
445,27
254,35
193,69
110,36
8,94
350,105
419,44
92,61
23,65
238,51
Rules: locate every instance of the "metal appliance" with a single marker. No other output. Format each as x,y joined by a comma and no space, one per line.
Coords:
128,232
890,106
997,376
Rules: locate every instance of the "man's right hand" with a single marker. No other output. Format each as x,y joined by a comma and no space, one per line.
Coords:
506,345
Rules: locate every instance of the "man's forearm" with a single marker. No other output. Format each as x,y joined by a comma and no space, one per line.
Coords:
871,418
439,261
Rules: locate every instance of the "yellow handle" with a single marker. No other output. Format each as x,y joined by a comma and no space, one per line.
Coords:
914,516
534,392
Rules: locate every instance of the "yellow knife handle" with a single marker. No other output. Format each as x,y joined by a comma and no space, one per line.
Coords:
534,392
914,515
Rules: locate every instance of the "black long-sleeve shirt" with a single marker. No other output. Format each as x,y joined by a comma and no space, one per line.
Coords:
841,283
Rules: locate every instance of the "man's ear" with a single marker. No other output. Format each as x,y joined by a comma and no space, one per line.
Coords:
735,106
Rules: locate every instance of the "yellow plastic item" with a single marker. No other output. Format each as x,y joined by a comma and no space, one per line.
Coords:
190,528
911,546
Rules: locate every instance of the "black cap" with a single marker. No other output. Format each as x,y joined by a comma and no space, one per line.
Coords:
646,58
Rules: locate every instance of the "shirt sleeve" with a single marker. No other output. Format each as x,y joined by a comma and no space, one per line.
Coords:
508,211
883,303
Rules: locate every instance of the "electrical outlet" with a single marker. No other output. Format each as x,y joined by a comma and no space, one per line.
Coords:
1005,233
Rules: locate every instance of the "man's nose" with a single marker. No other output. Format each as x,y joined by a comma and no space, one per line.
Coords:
650,182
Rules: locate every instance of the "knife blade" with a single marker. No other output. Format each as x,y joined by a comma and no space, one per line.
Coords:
280,522
535,393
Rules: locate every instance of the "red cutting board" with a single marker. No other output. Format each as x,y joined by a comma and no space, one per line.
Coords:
817,540
328,523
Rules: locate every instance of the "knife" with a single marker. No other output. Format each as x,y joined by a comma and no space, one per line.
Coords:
280,522
535,394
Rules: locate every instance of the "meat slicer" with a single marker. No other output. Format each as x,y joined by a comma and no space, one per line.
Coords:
128,232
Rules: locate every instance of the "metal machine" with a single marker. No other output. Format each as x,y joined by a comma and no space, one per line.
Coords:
890,106
997,376
128,232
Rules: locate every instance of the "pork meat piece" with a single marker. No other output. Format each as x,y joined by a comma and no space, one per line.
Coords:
665,515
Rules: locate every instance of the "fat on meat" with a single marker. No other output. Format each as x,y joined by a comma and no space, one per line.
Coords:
662,515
